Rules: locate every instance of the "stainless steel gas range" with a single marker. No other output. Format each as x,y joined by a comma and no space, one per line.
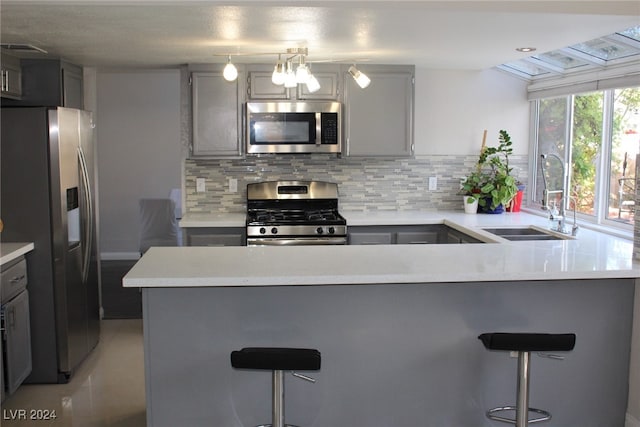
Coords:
294,213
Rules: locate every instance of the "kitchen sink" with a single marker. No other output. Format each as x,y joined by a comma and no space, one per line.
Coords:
527,233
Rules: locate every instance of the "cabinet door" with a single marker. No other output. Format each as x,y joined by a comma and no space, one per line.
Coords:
18,341
261,87
11,77
72,90
379,118
216,115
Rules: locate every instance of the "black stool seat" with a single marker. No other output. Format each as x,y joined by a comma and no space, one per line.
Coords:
276,359
528,341
524,344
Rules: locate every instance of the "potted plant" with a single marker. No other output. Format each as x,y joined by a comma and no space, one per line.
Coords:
470,188
492,181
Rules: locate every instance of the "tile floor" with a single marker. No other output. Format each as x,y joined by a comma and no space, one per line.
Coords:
106,391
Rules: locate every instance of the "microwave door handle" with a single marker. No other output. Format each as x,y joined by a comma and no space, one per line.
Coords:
318,128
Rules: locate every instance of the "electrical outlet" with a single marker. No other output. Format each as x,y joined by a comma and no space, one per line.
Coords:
433,183
200,185
233,185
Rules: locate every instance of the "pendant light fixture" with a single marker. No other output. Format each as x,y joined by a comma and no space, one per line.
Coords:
361,78
302,72
230,72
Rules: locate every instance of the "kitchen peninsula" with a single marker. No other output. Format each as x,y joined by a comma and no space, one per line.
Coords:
397,327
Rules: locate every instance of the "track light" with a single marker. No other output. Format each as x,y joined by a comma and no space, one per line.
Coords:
312,84
290,77
230,72
302,72
278,73
360,77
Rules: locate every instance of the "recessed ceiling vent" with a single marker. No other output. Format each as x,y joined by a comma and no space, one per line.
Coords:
22,48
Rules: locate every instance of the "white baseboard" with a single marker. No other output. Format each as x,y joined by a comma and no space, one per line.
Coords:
631,421
119,256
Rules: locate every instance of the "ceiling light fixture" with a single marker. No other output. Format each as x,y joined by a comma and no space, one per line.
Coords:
525,49
290,76
230,72
361,78
277,78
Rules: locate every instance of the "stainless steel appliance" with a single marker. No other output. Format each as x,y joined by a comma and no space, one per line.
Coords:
294,213
294,127
47,192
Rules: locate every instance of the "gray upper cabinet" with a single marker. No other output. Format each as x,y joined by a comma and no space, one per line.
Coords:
379,118
11,77
217,114
51,83
261,87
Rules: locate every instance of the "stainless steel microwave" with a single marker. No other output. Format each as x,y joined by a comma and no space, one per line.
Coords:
294,127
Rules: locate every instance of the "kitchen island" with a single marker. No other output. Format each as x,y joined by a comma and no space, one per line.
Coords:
397,327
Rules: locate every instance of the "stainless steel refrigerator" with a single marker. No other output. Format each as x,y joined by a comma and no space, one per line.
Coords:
48,197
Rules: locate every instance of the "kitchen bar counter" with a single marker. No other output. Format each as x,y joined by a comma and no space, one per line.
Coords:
592,255
397,326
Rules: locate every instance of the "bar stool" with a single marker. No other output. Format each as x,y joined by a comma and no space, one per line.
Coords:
524,344
277,360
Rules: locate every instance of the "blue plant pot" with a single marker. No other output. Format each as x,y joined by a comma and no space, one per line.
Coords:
498,210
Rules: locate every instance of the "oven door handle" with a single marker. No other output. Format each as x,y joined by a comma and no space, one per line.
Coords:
295,241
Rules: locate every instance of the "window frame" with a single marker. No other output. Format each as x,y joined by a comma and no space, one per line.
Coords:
603,166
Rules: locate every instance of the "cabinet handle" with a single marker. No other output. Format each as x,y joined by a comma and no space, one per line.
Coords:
5,81
12,317
17,279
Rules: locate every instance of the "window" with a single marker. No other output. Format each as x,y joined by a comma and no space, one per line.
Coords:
587,145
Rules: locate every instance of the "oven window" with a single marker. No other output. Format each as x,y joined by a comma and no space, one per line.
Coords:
284,128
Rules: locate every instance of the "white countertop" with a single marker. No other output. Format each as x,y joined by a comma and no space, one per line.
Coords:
591,255
11,251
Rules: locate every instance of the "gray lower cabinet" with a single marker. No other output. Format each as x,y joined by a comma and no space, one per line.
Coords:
407,235
16,330
379,118
216,236
217,114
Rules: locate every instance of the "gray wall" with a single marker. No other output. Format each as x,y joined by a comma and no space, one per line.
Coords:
138,128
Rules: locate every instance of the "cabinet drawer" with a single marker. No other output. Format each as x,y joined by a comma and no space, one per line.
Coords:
370,238
14,280
216,240
418,237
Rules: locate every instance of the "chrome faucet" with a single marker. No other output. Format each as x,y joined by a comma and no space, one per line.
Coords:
557,216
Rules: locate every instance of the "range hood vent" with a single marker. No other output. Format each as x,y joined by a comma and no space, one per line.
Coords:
22,48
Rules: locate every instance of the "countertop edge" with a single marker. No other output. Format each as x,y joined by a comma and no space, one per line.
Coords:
12,250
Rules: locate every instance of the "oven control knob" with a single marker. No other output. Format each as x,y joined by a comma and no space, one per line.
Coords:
332,230
263,230
319,230
274,230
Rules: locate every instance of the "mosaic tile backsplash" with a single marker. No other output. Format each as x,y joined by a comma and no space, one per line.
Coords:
364,184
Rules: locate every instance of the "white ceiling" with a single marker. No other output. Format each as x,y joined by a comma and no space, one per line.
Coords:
436,34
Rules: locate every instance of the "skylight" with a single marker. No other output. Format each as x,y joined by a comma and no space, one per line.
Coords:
619,48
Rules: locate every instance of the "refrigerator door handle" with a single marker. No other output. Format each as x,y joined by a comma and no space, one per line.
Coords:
88,215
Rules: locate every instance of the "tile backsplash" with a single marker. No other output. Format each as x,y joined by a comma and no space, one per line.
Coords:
364,184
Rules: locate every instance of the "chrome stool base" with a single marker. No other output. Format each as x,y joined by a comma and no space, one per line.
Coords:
491,413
